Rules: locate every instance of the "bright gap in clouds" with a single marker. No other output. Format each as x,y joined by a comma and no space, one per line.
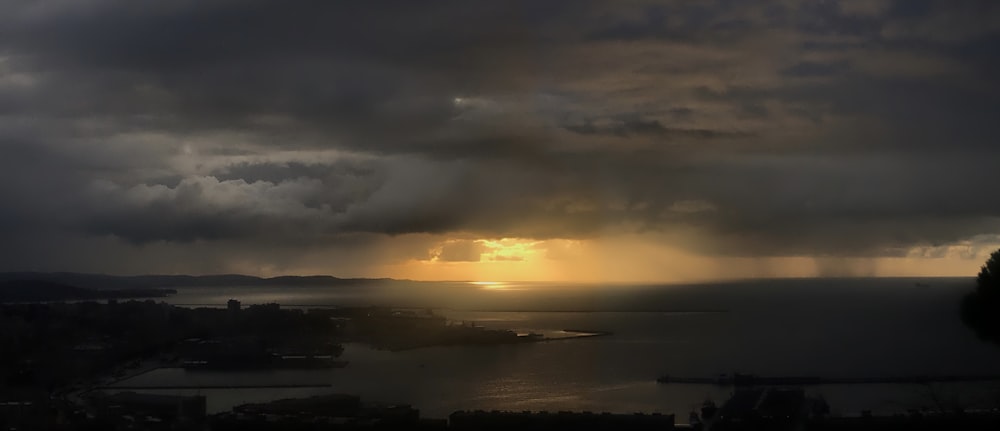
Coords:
494,263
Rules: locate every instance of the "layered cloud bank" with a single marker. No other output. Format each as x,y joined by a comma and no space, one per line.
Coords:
399,138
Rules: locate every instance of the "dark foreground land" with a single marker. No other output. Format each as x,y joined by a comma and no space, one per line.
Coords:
57,355
59,360
55,346
756,410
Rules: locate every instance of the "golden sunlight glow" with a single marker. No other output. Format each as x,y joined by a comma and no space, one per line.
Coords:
509,249
491,263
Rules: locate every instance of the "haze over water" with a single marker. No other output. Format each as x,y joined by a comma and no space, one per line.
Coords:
792,327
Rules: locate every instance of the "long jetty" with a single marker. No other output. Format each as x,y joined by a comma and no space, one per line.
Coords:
752,380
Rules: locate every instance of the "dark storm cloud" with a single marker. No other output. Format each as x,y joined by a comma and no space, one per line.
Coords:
626,127
460,251
796,127
808,68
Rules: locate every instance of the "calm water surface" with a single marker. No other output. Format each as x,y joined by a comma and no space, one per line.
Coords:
825,327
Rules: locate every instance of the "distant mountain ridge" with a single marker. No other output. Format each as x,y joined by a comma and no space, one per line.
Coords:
41,290
104,281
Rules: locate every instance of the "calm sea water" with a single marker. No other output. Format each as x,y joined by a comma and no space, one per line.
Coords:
824,327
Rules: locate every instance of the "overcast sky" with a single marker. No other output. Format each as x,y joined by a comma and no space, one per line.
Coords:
658,140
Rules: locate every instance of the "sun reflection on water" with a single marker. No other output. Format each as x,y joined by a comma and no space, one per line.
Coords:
490,285
498,286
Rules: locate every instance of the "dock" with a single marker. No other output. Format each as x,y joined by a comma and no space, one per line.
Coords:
753,380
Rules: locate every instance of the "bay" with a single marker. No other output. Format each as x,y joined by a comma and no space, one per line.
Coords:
797,327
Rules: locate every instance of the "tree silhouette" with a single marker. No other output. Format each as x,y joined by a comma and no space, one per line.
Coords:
981,307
